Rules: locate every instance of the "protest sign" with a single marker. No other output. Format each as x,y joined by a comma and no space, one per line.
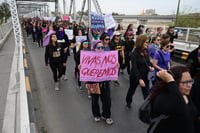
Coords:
69,33
53,19
97,22
99,66
109,21
78,41
66,18
44,30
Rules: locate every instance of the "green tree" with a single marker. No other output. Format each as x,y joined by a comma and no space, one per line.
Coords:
189,20
4,12
114,13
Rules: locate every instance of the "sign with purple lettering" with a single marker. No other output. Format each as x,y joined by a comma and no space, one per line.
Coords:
99,66
97,22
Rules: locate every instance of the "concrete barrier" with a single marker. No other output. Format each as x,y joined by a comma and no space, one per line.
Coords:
5,32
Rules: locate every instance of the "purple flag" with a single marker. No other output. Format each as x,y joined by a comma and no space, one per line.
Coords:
47,37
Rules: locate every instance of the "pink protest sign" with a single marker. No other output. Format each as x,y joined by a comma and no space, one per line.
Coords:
99,66
44,30
65,18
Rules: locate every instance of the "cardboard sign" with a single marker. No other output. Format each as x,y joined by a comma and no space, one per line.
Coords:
69,33
99,66
109,21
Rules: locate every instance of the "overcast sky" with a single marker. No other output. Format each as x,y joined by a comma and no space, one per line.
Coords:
135,7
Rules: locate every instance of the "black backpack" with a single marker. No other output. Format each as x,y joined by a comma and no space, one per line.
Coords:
145,111
145,114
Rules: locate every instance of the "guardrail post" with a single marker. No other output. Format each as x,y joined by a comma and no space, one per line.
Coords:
187,35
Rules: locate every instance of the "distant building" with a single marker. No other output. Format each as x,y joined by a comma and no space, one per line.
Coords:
150,12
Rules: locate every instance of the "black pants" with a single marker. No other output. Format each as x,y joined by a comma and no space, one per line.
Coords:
40,41
56,68
78,78
127,63
105,99
64,67
133,86
34,36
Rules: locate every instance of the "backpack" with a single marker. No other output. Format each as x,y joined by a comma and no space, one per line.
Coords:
145,111
145,114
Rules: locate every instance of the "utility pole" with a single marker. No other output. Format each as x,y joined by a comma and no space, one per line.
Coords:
56,7
64,7
177,12
74,9
89,21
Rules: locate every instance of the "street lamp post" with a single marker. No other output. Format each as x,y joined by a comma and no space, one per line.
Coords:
177,12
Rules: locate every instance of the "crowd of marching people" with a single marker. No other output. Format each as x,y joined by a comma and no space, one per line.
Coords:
145,54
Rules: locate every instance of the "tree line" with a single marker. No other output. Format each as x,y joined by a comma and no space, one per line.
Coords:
4,12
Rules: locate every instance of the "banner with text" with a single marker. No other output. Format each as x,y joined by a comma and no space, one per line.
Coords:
97,22
99,66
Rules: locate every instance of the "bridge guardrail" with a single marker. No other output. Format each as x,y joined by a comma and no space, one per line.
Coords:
185,34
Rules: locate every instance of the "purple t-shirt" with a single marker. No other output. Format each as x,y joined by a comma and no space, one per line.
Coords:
161,63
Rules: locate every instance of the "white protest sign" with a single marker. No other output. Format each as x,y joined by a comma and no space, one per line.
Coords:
109,21
69,33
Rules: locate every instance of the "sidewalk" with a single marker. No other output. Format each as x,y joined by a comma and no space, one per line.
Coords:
6,55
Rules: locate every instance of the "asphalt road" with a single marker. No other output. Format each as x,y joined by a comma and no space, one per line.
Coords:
69,110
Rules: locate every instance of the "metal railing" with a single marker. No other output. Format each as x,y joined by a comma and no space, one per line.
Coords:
185,34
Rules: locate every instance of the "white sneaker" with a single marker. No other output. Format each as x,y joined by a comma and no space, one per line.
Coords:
65,78
97,119
89,95
109,121
57,87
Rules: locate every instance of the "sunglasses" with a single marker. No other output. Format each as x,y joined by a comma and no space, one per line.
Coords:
168,46
187,82
107,39
158,40
100,47
118,35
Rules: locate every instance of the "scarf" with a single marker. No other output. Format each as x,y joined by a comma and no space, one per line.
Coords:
60,35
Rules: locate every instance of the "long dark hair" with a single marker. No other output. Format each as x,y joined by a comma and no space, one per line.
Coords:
161,86
51,42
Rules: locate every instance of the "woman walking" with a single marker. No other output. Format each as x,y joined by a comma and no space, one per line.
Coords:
141,65
55,58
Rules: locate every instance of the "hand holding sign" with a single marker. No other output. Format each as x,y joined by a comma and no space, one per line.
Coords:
99,66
